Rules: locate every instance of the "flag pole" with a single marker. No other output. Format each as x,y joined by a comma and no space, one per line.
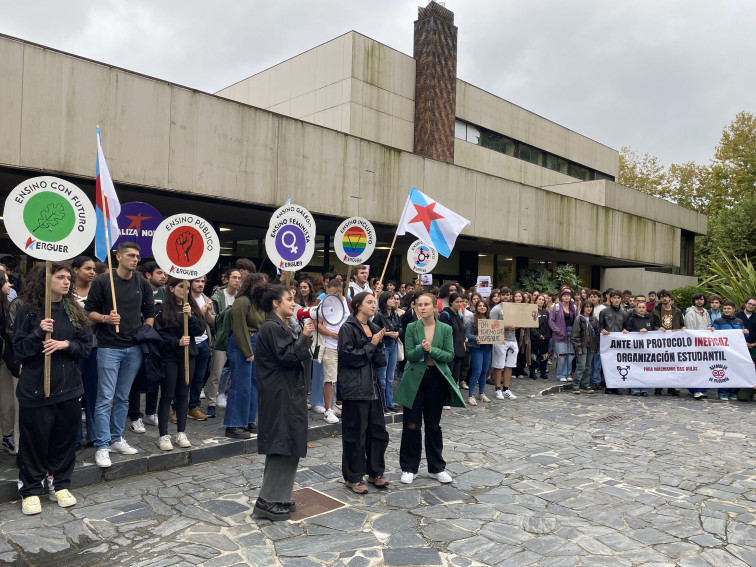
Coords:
388,257
48,315
186,332
107,244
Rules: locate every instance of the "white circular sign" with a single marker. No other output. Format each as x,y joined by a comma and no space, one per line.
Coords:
49,218
421,257
354,241
185,246
290,242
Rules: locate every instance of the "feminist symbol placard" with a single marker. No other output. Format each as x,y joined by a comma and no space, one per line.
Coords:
49,218
185,246
290,241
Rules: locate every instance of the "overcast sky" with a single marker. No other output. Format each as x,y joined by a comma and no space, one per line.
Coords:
660,76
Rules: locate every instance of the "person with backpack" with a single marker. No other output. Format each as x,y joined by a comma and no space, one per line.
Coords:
221,300
452,316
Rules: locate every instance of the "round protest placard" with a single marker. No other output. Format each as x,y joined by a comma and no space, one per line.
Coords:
294,210
421,257
354,241
290,242
185,246
137,223
49,218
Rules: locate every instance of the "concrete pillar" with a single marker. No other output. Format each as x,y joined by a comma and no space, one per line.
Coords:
435,82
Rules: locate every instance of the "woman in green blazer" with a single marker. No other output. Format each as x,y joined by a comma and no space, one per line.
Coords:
427,385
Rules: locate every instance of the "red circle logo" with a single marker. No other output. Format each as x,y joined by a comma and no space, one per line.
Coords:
184,246
718,373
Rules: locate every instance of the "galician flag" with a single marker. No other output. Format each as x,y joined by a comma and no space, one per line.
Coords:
431,222
107,207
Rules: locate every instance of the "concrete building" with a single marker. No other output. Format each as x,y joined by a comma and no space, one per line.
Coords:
346,129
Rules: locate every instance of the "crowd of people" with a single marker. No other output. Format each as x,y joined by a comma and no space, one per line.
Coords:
117,343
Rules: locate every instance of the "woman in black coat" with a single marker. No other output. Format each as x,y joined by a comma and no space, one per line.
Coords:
451,316
48,424
363,431
282,409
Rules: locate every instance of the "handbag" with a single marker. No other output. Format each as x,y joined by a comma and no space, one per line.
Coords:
399,350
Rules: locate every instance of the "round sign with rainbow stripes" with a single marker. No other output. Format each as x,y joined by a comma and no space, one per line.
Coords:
354,241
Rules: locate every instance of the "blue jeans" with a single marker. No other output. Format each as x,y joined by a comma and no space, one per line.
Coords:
198,378
596,370
480,360
241,407
316,392
386,376
116,370
583,370
565,354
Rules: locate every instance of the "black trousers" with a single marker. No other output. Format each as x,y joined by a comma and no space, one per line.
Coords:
48,434
428,407
539,355
174,386
278,478
139,387
456,368
364,439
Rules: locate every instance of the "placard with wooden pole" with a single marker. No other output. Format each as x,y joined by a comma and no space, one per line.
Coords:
186,332
110,260
388,257
48,210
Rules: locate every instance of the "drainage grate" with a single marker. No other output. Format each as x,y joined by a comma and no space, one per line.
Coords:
608,418
311,503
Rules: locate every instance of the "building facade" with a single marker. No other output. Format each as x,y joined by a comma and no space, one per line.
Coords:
346,129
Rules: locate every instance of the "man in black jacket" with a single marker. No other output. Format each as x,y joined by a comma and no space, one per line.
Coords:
612,320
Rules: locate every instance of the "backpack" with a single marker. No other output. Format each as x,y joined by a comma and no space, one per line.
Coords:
222,329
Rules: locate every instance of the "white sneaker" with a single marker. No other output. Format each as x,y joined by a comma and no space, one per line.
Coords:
408,477
697,395
484,398
102,458
182,440
471,401
318,409
337,407
447,407
122,446
150,420
138,426
463,386
330,416
509,395
442,477
164,443
202,394
565,379
222,400
499,395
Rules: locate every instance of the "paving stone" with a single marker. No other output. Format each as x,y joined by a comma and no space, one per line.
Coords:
421,556
225,508
394,522
705,540
403,499
721,558
342,519
405,538
443,531
443,495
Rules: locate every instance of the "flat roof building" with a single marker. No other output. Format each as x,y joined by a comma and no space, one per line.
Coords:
346,129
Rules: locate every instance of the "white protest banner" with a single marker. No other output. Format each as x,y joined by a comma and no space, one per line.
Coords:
491,332
354,241
421,257
185,246
677,359
523,315
483,286
49,218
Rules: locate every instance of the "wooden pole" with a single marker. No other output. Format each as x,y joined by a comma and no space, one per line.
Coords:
383,273
107,246
186,332
48,315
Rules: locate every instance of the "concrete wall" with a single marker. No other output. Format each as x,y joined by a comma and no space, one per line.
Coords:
156,134
639,280
616,196
489,111
352,84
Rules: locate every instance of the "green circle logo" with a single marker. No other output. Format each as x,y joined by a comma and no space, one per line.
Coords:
49,217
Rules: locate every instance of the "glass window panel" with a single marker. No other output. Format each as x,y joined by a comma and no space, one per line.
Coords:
460,130
536,156
552,162
524,152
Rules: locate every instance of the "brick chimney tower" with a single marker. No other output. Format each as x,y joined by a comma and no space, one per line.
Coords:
435,82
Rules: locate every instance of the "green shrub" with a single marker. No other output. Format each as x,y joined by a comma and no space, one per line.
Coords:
683,296
734,279
537,279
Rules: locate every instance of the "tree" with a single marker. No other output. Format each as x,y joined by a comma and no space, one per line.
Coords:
641,172
734,164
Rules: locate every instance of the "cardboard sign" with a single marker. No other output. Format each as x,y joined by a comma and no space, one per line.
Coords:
491,331
354,241
483,286
290,241
522,315
49,218
186,246
421,257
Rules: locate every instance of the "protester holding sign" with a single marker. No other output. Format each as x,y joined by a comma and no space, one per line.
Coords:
170,323
504,356
386,317
639,321
480,354
539,340
667,317
48,424
452,316
729,321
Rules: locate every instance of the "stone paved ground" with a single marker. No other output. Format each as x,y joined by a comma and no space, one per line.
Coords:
552,481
